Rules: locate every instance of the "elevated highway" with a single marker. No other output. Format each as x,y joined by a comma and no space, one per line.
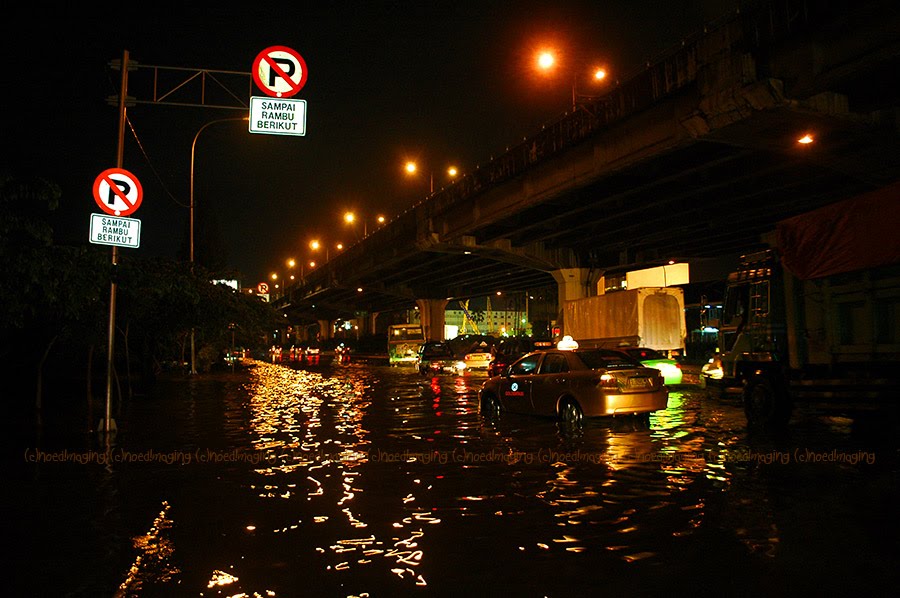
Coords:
693,157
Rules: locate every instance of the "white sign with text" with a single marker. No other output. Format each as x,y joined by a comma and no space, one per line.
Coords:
277,116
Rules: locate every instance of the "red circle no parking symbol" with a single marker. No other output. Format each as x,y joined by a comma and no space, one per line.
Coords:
279,71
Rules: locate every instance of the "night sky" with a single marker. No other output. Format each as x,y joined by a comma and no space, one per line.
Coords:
440,82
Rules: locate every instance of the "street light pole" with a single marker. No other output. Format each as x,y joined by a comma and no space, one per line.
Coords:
191,243
411,169
546,61
574,93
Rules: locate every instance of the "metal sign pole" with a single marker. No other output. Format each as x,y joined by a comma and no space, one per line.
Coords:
108,424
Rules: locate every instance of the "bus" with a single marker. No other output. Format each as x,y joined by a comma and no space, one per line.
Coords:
404,341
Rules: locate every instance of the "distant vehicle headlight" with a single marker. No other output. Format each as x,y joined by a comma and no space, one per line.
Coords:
713,369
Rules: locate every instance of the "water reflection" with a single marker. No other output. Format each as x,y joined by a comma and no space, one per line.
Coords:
153,563
311,428
352,480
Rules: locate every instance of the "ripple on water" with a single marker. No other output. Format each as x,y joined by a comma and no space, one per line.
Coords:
377,480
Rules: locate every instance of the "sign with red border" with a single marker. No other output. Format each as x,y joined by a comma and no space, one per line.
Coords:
118,192
262,288
279,71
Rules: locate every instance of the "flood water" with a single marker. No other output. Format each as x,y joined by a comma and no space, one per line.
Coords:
368,480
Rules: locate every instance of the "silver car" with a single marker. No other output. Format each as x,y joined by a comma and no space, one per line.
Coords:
573,384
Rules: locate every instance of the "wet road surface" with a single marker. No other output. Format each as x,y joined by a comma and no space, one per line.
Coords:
367,480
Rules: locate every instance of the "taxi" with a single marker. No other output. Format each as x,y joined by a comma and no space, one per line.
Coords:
570,384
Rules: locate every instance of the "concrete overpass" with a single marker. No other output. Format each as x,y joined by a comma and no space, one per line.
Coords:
693,157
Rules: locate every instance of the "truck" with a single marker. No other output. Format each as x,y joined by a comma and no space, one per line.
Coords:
651,317
813,318
403,343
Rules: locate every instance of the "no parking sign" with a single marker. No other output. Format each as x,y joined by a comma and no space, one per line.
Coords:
279,71
118,192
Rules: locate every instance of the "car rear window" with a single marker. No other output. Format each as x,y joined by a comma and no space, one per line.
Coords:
642,354
437,351
601,359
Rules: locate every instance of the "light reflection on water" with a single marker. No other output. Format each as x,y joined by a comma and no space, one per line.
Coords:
354,480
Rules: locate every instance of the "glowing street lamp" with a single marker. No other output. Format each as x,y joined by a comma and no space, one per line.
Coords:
317,245
291,263
350,218
275,285
412,168
546,62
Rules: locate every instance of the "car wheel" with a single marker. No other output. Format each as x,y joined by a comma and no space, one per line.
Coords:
571,416
765,405
490,408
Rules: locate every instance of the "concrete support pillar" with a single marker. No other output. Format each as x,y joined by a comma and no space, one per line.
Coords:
325,328
431,313
365,323
574,283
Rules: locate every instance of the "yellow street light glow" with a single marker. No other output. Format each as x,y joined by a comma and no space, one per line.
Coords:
600,74
349,217
452,171
274,276
806,139
291,263
381,220
411,167
314,244
340,246
546,60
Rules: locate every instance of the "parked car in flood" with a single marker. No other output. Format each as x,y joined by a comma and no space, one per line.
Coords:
436,357
478,360
511,348
573,384
474,350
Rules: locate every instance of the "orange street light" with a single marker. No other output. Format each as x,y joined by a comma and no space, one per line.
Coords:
546,61
350,218
274,277
317,245
412,168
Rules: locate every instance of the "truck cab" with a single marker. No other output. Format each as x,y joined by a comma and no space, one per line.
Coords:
832,342
751,352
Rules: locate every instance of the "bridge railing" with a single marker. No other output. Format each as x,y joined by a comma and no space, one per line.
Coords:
758,24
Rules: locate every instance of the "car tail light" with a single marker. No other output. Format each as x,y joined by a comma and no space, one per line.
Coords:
607,381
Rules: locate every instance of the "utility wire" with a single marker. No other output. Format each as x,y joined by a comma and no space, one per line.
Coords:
152,167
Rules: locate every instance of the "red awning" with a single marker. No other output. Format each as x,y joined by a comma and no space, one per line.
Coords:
861,232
